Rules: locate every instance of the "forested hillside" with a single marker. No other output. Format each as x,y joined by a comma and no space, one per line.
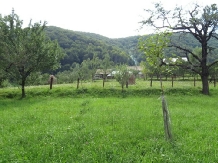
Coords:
80,46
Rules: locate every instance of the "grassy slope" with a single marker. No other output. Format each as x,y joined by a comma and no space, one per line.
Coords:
109,129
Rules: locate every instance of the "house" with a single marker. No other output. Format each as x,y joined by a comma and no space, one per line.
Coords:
100,73
167,61
137,68
110,73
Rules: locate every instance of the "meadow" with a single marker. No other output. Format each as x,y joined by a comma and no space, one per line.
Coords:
95,124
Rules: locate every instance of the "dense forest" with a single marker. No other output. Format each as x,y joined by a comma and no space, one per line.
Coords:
80,46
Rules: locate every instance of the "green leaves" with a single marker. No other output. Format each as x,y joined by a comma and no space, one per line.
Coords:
26,50
122,74
153,48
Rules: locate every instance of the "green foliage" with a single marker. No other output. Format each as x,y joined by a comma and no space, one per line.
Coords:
106,64
122,75
80,46
5,83
93,65
81,72
26,50
76,45
66,77
200,23
153,48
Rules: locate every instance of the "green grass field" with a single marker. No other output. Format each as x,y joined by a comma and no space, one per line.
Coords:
93,124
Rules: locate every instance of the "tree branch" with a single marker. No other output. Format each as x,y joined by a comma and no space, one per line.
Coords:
209,66
215,36
186,52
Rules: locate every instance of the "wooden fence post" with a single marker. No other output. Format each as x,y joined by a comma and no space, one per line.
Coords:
166,117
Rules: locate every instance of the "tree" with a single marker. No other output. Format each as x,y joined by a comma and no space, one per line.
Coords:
26,50
81,72
78,73
93,64
66,76
2,77
122,75
105,64
153,48
148,71
200,22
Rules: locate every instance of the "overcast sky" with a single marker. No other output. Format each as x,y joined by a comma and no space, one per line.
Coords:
110,18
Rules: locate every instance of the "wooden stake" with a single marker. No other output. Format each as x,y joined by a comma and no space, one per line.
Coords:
166,117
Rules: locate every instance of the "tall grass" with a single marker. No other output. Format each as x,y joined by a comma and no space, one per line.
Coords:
109,129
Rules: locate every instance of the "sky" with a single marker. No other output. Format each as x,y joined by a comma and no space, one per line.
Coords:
110,18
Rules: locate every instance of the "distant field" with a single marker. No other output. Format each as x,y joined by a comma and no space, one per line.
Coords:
112,88
53,126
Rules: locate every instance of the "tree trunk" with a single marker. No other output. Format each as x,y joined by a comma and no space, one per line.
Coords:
77,83
93,77
161,83
172,81
205,85
204,68
103,81
194,82
23,88
127,84
51,82
151,82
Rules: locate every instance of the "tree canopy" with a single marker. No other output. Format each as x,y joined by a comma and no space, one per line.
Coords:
80,46
199,22
26,50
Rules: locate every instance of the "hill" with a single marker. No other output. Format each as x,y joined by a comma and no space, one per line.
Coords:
82,45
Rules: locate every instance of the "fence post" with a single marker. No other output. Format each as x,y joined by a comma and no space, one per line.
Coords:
166,117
